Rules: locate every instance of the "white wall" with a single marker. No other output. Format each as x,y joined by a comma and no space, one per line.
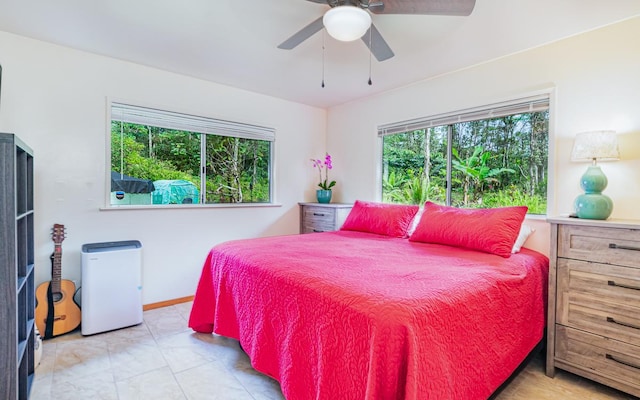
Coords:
595,78
54,98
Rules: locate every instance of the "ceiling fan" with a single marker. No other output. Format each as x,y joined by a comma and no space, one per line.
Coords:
357,18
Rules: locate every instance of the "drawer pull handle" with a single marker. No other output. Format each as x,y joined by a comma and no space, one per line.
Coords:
613,283
613,321
322,215
628,364
317,230
616,246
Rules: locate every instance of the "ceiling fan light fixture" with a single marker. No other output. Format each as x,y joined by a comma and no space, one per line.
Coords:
346,23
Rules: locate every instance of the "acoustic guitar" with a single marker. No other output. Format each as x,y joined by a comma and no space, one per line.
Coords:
56,311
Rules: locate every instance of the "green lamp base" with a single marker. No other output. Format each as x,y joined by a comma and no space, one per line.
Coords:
593,206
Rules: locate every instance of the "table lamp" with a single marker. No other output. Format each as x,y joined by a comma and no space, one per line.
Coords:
594,146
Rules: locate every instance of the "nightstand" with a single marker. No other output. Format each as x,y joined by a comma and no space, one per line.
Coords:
319,217
593,326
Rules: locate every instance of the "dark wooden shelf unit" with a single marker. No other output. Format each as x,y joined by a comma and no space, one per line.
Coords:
17,286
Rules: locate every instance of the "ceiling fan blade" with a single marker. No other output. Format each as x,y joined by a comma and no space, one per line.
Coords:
302,35
430,7
379,47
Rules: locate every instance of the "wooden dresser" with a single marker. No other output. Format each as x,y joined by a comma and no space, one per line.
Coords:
593,327
318,217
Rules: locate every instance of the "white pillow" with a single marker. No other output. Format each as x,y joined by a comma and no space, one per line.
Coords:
525,232
416,220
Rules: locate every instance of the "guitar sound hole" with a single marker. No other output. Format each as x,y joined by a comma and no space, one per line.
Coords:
57,296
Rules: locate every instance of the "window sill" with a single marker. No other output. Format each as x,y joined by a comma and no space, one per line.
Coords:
536,217
187,206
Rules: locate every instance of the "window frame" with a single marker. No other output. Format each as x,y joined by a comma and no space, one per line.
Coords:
489,110
228,132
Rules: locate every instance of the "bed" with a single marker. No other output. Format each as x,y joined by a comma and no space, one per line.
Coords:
356,314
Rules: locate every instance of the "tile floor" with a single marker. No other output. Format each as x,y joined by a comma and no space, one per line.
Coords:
163,359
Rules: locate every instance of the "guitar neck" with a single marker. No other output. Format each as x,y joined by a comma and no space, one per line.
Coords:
56,269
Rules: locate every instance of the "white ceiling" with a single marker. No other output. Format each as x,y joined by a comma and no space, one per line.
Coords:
233,42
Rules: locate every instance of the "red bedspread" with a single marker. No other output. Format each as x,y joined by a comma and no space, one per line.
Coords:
348,315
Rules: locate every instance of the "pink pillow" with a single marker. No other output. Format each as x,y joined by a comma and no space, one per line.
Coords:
491,230
381,218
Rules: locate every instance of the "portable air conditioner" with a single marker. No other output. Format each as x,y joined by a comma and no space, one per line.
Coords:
111,286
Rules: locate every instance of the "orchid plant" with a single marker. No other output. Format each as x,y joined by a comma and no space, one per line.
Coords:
326,165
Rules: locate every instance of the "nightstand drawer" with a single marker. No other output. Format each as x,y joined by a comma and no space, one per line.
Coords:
317,227
319,215
598,244
593,354
316,217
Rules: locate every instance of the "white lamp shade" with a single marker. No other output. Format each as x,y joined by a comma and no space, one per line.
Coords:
346,23
596,145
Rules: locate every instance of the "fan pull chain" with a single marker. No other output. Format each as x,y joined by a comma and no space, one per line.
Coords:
323,36
370,51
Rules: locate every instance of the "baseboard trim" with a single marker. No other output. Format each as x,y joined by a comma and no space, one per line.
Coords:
166,303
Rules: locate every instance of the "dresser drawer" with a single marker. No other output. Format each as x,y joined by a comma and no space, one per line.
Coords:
615,361
600,298
599,244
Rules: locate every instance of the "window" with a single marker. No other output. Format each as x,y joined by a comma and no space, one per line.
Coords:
161,157
489,157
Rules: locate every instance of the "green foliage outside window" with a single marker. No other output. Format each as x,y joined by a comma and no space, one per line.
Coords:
237,169
495,162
